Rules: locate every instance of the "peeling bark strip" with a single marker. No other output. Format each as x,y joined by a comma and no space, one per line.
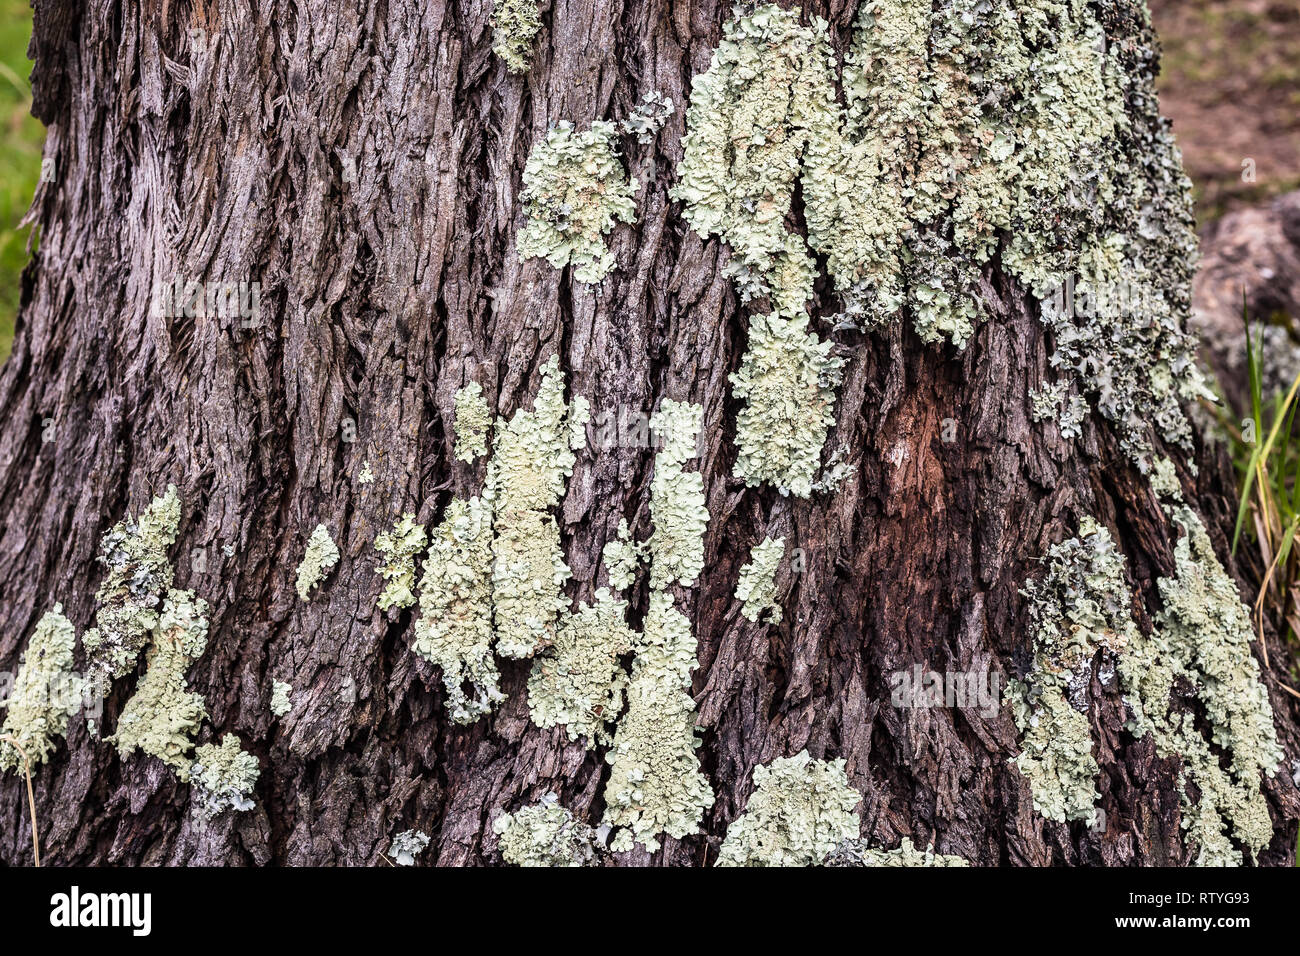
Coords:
364,165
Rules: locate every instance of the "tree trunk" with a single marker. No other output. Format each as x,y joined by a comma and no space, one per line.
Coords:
363,164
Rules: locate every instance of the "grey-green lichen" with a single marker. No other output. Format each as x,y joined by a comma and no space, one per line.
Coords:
473,419
280,702
1200,642
857,853
454,630
546,834
407,845
317,561
531,462
223,777
757,584
366,476
579,682
677,505
787,380
139,573
575,188
800,811
399,548
163,715
1023,130
45,694
1202,639
655,785
514,27
1079,609
621,557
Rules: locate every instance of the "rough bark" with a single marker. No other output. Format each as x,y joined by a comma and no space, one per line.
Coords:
362,162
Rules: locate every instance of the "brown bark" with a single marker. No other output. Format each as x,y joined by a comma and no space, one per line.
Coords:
384,290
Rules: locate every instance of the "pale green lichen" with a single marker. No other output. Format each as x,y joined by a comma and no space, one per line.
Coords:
139,573
677,505
163,715
546,834
1202,640
366,477
622,556
473,419
45,694
857,853
1080,609
399,548
454,630
648,117
787,380
575,188
964,131
223,777
531,462
800,811
579,683
757,584
280,702
514,27
655,785
407,845
1164,480
317,561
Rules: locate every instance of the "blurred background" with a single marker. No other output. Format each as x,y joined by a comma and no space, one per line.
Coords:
1231,84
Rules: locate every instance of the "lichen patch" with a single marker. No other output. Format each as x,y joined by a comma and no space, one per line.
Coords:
454,629
472,421
320,557
545,834
800,811
575,189
45,694
399,548
138,574
579,682
757,584
163,715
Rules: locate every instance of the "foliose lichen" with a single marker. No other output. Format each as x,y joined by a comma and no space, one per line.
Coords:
223,777
858,853
579,682
280,702
531,461
514,27
454,630
317,561
473,419
648,117
45,694
163,715
787,380
546,834
138,574
407,845
677,505
621,557
1024,130
1202,640
655,785
575,188
757,584
399,548
1081,608
800,811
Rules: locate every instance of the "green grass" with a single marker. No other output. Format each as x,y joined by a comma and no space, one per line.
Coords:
21,138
